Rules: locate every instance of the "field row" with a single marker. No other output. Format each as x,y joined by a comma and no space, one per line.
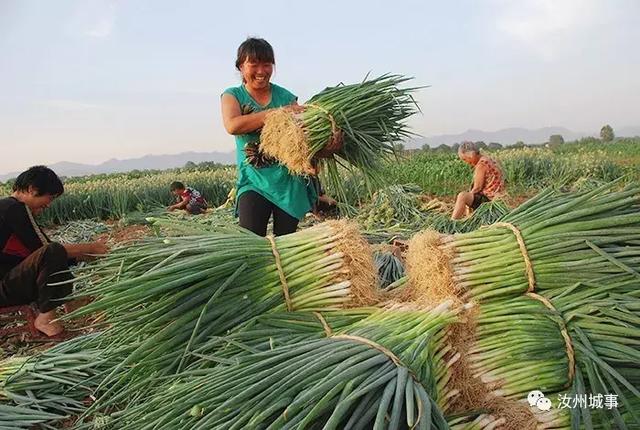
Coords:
437,173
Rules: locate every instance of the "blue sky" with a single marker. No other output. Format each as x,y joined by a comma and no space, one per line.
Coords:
90,80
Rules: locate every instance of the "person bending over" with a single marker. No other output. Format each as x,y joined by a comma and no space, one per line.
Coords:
188,199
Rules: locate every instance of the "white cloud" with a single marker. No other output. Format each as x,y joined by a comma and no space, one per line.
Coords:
547,26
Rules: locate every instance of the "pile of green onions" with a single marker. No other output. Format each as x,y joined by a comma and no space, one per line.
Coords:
519,348
163,298
488,213
585,255
20,418
61,379
395,204
336,382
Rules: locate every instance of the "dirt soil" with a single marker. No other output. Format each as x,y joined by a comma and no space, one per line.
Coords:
120,234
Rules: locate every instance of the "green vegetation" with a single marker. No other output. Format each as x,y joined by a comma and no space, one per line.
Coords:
437,172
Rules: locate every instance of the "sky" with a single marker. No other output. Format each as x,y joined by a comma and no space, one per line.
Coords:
90,80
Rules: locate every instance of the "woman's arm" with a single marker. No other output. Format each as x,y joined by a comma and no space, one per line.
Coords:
236,123
478,178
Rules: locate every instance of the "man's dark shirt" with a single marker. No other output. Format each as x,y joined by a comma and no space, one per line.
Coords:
18,237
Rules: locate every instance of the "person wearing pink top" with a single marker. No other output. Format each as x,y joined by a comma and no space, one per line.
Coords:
488,180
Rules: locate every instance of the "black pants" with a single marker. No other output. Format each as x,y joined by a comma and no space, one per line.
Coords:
255,211
478,199
196,209
27,282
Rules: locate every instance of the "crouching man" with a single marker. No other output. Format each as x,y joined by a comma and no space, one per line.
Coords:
29,261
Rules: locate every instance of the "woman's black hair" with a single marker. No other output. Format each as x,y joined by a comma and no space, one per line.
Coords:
42,179
255,49
177,185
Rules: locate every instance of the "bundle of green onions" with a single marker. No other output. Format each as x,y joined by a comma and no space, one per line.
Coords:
360,122
384,371
586,340
273,330
163,298
62,381
588,235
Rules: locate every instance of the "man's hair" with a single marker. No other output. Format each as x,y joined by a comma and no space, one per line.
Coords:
176,185
469,147
42,179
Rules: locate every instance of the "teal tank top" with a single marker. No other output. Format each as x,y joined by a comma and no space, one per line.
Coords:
293,194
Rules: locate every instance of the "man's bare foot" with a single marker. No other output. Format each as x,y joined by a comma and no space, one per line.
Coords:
46,324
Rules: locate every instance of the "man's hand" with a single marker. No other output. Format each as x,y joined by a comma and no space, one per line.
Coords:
86,251
171,208
98,248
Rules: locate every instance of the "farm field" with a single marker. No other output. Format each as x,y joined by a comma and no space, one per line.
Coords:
437,173
392,317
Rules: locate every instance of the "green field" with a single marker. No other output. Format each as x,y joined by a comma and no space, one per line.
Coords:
436,172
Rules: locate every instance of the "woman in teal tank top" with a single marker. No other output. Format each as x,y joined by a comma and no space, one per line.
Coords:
264,186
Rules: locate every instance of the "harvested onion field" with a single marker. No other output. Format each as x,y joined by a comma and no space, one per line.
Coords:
491,322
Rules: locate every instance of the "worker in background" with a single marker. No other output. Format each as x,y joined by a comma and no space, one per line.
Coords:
488,180
188,199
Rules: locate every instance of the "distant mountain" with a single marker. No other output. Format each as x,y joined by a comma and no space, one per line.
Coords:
507,136
147,162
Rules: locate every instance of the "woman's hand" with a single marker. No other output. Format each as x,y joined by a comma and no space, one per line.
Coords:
295,108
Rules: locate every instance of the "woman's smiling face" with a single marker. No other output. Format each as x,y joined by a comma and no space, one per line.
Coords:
256,74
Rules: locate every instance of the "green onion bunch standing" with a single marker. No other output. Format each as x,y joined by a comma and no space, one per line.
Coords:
359,124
